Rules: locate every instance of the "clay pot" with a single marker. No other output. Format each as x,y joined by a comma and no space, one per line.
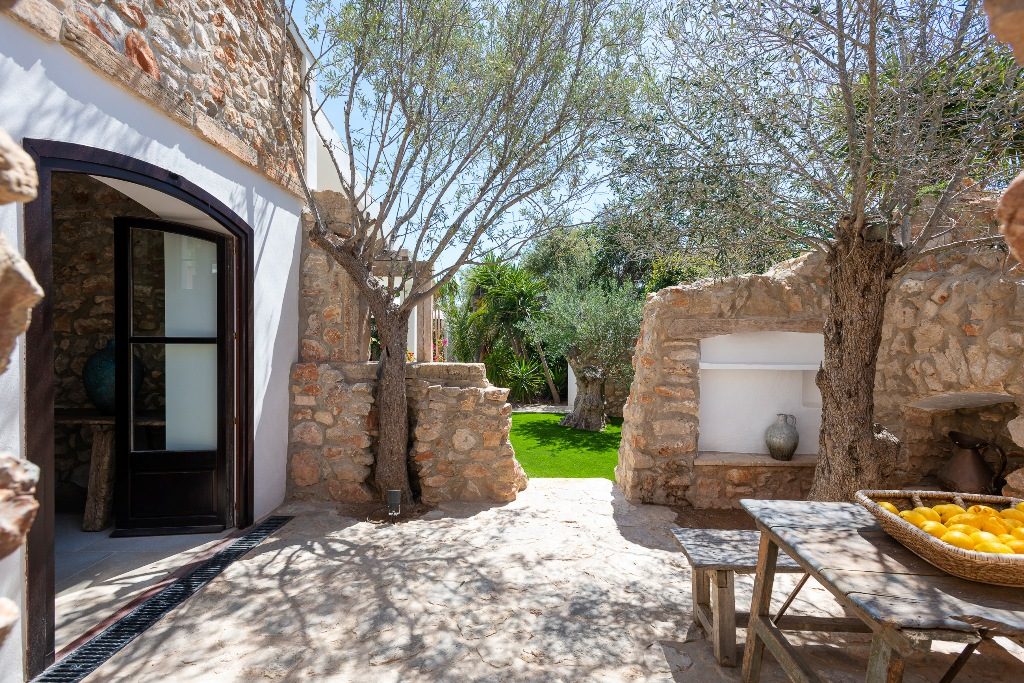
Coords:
782,438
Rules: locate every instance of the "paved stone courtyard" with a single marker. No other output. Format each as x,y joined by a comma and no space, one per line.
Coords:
567,583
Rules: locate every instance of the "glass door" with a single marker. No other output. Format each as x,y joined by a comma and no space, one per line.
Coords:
170,344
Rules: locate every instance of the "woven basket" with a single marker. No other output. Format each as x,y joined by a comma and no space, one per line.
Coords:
1000,570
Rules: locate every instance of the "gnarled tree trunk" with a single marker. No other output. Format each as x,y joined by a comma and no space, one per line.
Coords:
853,454
391,467
588,409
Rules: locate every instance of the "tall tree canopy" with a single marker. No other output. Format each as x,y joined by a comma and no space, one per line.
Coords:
854,127
460,125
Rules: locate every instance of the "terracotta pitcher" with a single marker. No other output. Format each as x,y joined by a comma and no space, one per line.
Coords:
967,470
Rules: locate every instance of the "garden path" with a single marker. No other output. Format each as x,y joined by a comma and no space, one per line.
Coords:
568,583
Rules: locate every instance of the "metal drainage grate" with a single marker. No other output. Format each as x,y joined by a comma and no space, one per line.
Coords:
92,654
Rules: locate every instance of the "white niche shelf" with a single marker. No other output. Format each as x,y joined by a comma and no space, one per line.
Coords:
758,366
746,379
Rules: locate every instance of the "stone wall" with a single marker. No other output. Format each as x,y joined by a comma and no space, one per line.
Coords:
333,318
459,421
949,347
460,427
83,311
212,66
19,292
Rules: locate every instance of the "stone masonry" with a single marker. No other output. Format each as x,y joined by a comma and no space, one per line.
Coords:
459,422
19,292
949,359
211,66
460,426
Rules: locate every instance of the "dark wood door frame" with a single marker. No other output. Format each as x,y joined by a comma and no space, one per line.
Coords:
54,156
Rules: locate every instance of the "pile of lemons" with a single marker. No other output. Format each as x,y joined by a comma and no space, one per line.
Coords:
979,527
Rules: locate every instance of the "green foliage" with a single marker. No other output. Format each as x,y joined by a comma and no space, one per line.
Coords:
675,269
545,449
523,376
594,325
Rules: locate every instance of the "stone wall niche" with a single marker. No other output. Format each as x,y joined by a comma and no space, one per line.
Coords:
949,359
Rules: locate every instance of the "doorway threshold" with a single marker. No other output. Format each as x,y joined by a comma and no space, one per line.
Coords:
93,653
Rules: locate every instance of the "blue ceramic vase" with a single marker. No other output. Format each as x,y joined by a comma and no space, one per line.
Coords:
98,375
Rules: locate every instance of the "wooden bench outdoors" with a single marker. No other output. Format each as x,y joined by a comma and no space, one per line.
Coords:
716,556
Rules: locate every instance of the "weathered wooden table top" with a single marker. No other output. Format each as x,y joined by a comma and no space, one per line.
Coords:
843,545
733,549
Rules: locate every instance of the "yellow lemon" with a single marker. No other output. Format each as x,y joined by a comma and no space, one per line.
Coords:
994,525
965,518
1020,506
1016,545
1004,538
1012,523
993,547
963,528
948,510
959,539
1018,532
1011,513
984,537
982,510
915,518
934,528
928,514
886,505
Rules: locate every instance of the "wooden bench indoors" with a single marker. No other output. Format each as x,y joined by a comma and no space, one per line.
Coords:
716,556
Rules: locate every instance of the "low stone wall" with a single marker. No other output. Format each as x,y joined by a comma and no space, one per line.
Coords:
460,426
721,480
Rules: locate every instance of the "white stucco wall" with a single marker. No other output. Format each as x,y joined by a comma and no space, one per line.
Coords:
747,378
47,93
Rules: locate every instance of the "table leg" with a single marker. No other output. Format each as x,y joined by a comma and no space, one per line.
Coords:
885,665
760,607
701,591
99,500
723,635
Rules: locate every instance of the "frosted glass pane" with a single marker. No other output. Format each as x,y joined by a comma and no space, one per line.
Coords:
191,408
190,286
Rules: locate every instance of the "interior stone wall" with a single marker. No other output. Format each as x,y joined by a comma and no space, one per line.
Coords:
83,311
949,359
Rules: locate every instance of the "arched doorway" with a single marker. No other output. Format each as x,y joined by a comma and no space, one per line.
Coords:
216,479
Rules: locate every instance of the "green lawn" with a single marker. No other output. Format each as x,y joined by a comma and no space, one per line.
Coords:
547,450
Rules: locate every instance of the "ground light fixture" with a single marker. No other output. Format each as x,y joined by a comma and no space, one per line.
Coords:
394,503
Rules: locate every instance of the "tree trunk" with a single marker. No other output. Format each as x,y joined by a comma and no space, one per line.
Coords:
853,454
391,468
588,410
547,374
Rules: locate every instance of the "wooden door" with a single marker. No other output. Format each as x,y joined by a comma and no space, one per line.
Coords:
171,370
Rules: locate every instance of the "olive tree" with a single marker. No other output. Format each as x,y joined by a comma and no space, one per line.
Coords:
854,127
460,125
594,326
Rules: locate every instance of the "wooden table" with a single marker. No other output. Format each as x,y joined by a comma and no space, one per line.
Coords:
906,602
99,497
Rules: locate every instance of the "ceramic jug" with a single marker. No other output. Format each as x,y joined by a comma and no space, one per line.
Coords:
782,438
967,471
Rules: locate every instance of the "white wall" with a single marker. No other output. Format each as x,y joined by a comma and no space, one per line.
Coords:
47,93
746,379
